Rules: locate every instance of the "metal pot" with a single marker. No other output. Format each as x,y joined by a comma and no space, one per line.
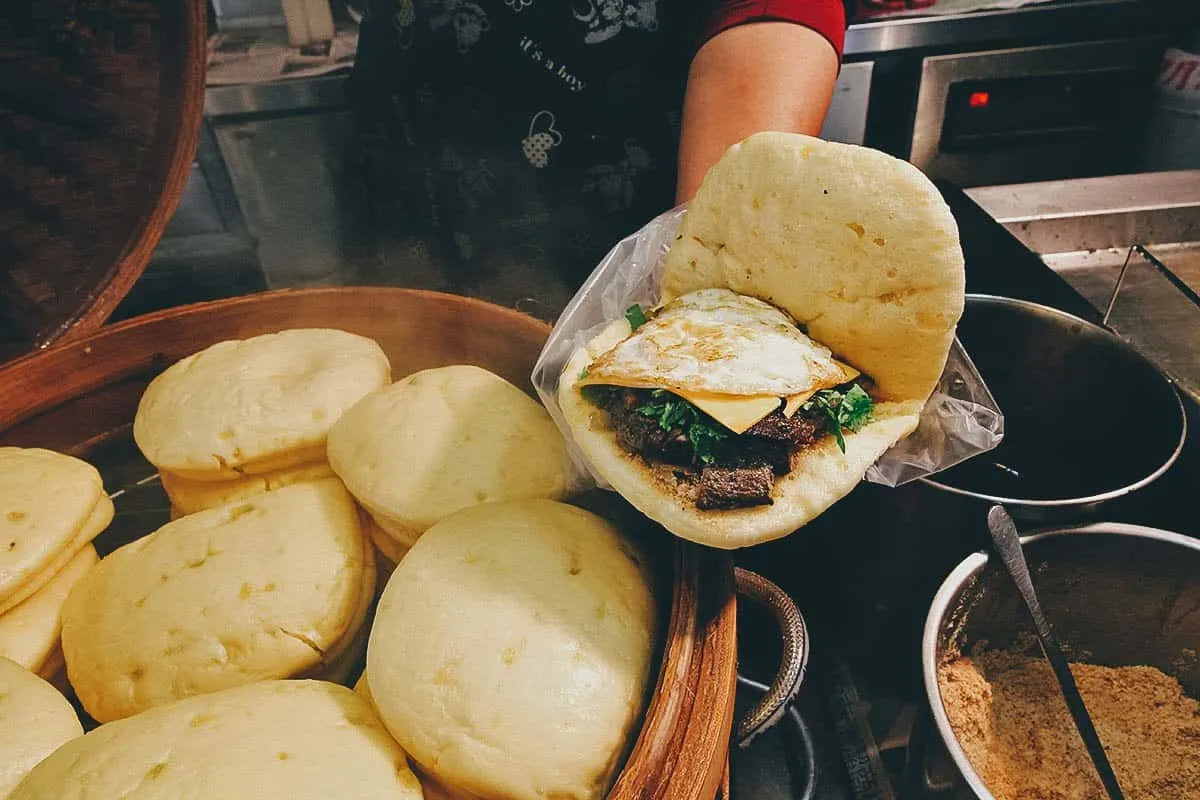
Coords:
1061,382
1116,595
1087,418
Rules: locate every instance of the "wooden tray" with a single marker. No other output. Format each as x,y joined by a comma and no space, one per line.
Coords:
100,109
80,397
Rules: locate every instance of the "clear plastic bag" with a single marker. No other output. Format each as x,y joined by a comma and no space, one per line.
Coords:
960,420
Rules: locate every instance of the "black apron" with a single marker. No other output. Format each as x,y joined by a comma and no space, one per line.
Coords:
519,136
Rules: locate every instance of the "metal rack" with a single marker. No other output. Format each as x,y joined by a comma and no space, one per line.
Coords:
1130,244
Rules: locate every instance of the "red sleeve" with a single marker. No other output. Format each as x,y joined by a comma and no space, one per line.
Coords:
826,17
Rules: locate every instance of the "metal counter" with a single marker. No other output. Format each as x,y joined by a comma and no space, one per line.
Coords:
1130,245
1078,20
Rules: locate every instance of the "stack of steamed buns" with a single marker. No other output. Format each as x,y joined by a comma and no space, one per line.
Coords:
320,510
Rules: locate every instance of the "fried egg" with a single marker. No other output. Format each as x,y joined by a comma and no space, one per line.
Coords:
720,342
733,356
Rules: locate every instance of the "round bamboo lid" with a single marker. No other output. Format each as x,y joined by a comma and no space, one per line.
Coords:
100,109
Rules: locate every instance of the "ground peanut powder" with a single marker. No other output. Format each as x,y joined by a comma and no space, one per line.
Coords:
1011,719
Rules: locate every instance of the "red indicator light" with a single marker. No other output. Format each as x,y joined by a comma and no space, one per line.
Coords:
979,99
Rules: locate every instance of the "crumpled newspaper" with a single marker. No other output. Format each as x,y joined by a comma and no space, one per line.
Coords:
960,420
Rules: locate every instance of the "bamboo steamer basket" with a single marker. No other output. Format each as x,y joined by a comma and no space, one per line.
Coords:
100,110
80,397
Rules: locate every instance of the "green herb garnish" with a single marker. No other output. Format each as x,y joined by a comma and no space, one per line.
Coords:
667,409
706,440
850,410
637,318
856,408
672,412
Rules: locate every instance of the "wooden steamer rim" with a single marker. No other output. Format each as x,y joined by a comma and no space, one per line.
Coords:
92,70
82,393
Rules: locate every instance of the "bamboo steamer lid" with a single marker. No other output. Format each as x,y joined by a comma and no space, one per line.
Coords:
100,109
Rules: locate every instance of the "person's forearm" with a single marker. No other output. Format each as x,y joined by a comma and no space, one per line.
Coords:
755,77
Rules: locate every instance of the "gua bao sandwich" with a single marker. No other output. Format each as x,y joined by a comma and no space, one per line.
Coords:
808,306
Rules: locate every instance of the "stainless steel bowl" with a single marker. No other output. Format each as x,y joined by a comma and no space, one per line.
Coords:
1087,418
1116,594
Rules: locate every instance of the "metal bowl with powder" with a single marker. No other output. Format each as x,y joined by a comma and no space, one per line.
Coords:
1125,602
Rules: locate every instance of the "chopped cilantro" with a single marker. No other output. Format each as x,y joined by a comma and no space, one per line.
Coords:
672,412
827,402
855,411
706,441
668,410
637,318
850,410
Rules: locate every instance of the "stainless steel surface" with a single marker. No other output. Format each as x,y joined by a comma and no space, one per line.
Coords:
1067,19
1057,158
234,14
1087,229
846,120
1149,310
1068,389
1008,546
294,178
301,95
1093,272
1183,259
197,212
206,251
1096,213
209,217
1108,194
1112,299
1117,594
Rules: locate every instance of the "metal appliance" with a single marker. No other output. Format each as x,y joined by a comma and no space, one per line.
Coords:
846,120
1050,90
1034,113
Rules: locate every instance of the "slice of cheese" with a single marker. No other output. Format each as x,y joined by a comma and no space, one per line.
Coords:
795,401
738,414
